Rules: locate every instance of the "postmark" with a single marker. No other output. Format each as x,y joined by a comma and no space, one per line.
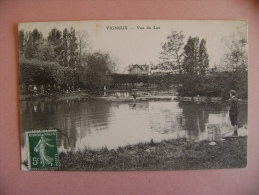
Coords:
42,150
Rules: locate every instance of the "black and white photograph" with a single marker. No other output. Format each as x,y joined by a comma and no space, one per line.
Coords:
134,95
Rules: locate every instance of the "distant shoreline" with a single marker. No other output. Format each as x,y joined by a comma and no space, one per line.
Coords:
81,95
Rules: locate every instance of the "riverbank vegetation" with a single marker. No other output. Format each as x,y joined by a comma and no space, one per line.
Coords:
63,62
177,154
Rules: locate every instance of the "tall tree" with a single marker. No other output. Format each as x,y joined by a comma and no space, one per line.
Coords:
65,51
36,38
21,42
203,58
55,39
191,56
29,49
33,43
172,52
82,45
72,48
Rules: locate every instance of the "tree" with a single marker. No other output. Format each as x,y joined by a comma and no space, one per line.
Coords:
203,58
54,39
82,45
45,51
64,47
96,74
235,56
191,56
38,72
172,54
72,48
112,62
235,61
21,43
36,38
29,49
34,41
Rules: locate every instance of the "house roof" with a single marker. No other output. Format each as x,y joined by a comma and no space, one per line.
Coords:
141,67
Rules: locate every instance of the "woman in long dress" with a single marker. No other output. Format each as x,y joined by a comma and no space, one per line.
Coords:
41,148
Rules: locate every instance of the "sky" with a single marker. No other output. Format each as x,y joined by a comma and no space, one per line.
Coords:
142,46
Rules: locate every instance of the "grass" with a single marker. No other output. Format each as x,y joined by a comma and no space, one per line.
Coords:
167,155
54,96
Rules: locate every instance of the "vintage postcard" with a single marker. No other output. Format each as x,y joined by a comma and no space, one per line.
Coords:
133,95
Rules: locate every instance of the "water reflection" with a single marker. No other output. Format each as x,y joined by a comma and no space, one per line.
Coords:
97,123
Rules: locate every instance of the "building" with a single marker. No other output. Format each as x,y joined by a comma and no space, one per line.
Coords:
162,68
139,69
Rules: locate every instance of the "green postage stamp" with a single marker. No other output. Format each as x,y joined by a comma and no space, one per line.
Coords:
42,150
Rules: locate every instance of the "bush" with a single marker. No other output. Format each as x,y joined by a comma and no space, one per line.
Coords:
46,73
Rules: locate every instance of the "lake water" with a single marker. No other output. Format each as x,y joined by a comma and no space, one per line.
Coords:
98,123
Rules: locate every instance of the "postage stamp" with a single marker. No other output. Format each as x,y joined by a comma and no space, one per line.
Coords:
42,150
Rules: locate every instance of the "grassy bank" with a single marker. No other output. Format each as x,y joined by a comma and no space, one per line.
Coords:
166,155
56,96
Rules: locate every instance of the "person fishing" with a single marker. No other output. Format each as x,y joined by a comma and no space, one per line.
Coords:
233,111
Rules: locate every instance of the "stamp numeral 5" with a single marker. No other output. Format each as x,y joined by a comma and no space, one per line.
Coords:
35,160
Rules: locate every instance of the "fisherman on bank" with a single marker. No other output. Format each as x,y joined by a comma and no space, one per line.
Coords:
233,111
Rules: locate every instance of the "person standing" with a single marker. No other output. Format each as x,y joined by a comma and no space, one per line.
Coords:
30,90
35,90
233,110
59,88
42,89
134,97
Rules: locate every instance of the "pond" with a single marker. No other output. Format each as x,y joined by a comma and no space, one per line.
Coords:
98,123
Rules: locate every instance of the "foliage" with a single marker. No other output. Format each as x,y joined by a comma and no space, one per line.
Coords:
64,49
129,78
172,54
54,39
21,42
203,61
191,56
193,78
72,48
216,85
235,61
45,51
45,73
54,61
97,73
235,56
83,43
